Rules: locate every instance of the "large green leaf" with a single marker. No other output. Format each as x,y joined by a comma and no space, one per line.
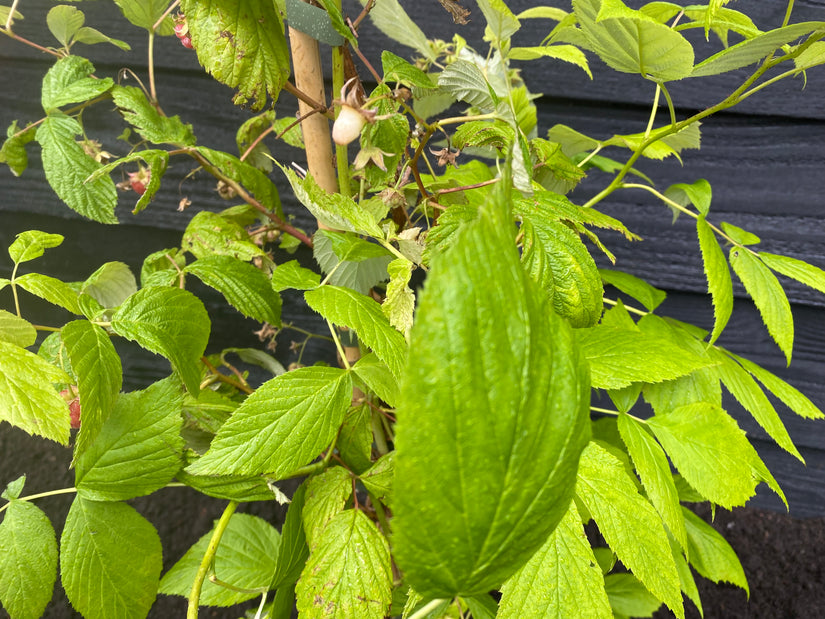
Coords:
561,581
245,559
710,554
491,419
767,294
717,272
110,560
111,284
710,451
96,365
294,550
251,178
367,267
28,560
635,287
50,289
631,42
654,471
245,287
170,322
209,233
629,523
500,19
67,167
378,377
619,357
326,496
391,19
139,447
32,244
69,81
799,270
148,122
465,81
241,43
146,13
16,330
347,308
27,398
791,396
286,423
348,573
755,49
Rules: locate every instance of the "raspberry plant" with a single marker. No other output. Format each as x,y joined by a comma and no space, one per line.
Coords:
452,461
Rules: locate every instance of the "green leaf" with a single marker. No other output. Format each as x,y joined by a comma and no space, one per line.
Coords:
156,159
753,50
396,69
14,330
27,398
96,365
792,397
13,151
717,272
349,247
63,22
32,244
326,496
378,479
208,233
465,81
336,20
245,287
391,19
500,19
629,523
50,289
620,357
347,308
146,13
170,322
654,471
750,395
567,53
67,167
698,193
254,59
507,447
358,275
111,284
649,296
91,36
711,555
686,580
241,488
399,303
348,573
628,597
562,580
710,451
799,270
573,281
633,43
5,11
767,294
68,82
811,57
294,550
28,560
740,236
284,425
377,377
110,560
671,144
292,275
255,181
245,559
139,446
354,443
148,122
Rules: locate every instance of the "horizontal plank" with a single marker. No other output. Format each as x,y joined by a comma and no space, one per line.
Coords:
553,78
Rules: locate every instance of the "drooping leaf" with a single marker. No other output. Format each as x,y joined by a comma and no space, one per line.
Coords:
284,425
28,560
379,478
69,81
13,150
139,446
32,244
50,289
355,439
15,330
157,161
111,284
399,303
637,288
717,272
110,560
567,53
710,554
629,523
799,270
767,294
792,397
294,550
170,322
245,559
347,308
560,581
494,466
96,365
620,357
348,573
465,81
326,496
245,287
710,450
254,58
628,597
251,178
67,167
148,122
209,233
654,470
377,377
397,69
368,268
27,398
698,193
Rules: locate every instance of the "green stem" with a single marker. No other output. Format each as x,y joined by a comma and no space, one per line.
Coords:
788,13
44,328
653,111
40,495
607,411
630,309
14,290
426,609
338,78
208,558
378,433
338,346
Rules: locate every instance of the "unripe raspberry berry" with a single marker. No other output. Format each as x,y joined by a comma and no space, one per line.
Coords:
186,41
181,30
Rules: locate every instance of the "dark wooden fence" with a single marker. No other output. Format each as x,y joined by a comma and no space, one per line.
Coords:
765,161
